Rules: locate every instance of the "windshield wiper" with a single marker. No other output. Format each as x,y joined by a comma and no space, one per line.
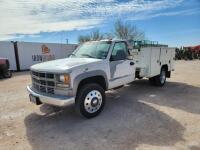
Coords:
88,55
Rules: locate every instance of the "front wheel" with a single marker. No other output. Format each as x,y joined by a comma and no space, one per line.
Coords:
90,100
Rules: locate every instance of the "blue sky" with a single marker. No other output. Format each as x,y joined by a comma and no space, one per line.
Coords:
172,22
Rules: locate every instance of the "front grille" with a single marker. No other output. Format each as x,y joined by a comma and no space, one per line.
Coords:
43,82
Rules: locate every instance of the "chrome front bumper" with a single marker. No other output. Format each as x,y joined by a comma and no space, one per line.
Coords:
56,100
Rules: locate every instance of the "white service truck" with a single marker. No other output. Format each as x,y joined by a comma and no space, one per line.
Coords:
95,67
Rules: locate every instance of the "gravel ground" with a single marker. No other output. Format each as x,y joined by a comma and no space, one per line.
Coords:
137,116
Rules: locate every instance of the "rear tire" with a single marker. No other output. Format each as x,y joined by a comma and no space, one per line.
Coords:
90,100
161,79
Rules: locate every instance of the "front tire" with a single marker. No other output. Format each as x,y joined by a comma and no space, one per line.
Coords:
90,100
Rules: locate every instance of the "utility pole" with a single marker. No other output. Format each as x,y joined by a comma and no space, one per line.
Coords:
67,41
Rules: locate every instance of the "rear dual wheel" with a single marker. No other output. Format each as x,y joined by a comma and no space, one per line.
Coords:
90,100
160,79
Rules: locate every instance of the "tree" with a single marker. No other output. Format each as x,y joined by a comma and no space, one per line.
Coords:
83,38
128,31
95,35
121,31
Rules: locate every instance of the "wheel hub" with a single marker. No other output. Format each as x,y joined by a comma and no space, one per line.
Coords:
93,101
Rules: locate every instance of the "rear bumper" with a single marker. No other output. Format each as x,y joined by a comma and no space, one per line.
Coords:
52,99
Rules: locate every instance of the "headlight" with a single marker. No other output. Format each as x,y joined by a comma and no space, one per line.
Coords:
63,80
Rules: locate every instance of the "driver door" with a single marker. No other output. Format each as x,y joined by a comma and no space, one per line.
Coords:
122,69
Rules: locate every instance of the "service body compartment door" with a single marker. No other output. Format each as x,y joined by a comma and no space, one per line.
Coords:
165,56
172,59
155,61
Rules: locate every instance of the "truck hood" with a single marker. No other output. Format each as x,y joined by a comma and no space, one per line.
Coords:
61,65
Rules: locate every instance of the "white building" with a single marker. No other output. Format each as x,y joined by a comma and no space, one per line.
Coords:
22,55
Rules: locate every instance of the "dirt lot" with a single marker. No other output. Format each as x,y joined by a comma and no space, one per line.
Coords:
138,116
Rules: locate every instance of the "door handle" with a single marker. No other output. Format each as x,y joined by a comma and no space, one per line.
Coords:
132,63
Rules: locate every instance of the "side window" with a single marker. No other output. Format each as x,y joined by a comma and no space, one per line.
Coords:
119,52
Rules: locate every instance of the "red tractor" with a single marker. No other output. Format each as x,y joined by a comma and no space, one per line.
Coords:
4,68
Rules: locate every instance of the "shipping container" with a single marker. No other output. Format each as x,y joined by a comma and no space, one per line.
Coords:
7,51
22,55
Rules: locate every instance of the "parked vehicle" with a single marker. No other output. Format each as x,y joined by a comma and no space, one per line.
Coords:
4,68
94,68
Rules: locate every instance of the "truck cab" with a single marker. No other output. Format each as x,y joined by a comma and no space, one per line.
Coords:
93,68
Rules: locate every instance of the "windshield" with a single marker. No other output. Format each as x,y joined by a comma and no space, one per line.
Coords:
97,50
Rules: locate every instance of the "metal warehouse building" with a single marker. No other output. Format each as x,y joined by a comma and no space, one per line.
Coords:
22,55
